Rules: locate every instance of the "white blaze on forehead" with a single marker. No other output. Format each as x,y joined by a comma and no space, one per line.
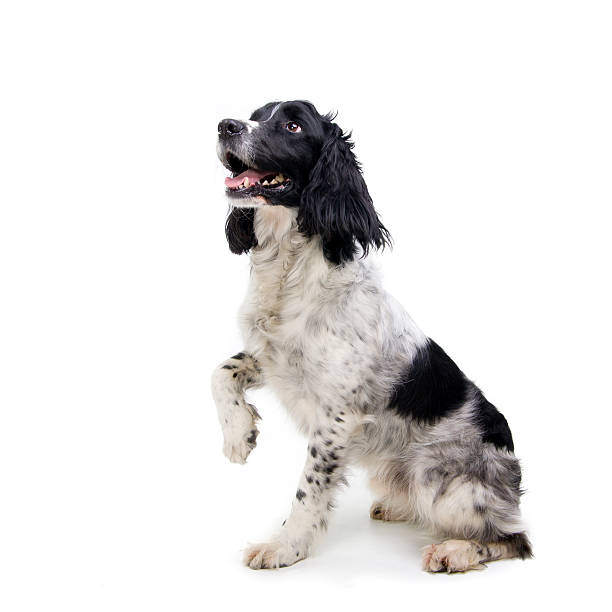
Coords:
274,111
251,125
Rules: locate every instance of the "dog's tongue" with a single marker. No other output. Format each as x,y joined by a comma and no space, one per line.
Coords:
253,175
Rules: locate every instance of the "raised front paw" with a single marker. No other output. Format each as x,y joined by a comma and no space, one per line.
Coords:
272,555
240,433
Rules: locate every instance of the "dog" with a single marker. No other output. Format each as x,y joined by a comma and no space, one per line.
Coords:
361,380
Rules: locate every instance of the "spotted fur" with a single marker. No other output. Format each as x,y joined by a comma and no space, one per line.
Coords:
366,386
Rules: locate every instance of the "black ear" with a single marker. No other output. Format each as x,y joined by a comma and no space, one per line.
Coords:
239,230
336,205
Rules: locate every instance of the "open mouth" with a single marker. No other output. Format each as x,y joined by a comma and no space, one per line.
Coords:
247,180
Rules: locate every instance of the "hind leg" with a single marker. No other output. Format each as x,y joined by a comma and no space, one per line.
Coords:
476,508
463,555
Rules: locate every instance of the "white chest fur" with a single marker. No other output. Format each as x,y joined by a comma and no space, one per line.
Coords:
280,307
320,332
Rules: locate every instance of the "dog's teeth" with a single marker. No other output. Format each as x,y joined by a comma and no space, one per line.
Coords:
280,178
246,182
274,182
265,183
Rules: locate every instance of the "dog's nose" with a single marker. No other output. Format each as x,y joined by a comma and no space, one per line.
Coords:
230,127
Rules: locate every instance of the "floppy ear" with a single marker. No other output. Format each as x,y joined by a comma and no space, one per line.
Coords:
239,230
336,205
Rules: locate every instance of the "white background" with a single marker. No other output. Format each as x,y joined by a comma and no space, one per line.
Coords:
485,133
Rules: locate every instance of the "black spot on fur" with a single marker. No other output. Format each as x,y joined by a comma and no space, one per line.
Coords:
432,387
238,356
447,479
309,479
235,374
492,423
313,451
300,495
229,367
251,439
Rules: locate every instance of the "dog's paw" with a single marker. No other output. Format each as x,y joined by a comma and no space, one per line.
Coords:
379,512
272,555
240,433
452,556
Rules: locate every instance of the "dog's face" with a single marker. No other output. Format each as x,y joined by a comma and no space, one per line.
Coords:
287,154
271,155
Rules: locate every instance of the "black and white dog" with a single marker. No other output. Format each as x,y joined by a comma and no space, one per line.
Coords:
359,377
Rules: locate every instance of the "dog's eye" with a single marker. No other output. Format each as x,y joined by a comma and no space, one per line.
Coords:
293,127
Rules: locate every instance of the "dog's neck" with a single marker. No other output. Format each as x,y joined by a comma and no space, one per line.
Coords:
285,263
274,225
280,245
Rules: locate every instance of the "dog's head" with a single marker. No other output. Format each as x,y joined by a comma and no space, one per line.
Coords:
287,154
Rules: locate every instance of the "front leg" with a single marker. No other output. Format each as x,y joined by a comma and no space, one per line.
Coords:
324,470
237,417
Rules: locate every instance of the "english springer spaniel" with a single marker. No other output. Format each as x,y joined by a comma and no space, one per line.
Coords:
358,376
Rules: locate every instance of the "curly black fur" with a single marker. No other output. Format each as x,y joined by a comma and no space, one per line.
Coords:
336,204
239,230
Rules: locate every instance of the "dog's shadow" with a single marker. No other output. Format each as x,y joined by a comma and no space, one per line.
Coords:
356,544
